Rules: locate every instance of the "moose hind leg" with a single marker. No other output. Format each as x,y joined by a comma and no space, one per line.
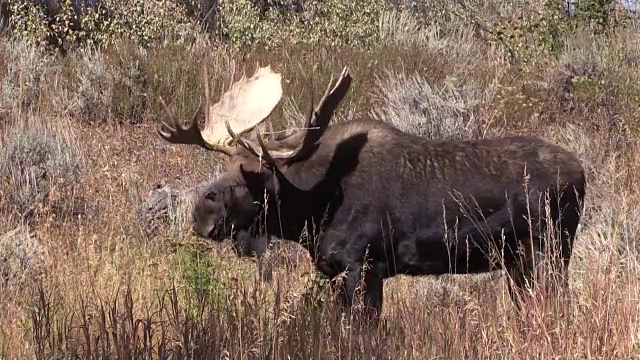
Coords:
565,213
553,249
540,269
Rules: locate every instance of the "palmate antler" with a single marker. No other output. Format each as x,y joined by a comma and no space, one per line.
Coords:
316,124
246,104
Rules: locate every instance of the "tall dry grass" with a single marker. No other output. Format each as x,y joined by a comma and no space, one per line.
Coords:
96,283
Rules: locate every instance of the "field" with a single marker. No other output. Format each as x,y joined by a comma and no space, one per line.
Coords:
91,268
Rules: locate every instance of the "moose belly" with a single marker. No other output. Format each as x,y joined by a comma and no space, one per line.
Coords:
433,256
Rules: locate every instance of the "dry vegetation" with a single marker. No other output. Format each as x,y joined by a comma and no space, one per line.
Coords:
85,271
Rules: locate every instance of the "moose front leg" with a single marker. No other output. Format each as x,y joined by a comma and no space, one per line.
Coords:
246,245
259,245
371,290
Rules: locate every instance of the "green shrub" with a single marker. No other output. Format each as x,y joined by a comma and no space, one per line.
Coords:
525,30
597,14
529,30
200,275
143,22
241,22
327,22
28,22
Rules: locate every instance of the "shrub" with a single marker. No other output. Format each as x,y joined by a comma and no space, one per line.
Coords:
244,23
597,14
21,258
28,22
146,22
525,30
459,45
414,105
94,85
200,275
39,171
25,68
130,73
580,56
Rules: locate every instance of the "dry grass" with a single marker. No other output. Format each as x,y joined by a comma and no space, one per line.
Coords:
96,283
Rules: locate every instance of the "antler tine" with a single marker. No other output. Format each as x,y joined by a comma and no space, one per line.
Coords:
313,112
240,141
166,108
189,134
337,93
323,111
179,134
265,152
165,129
233,75
207,97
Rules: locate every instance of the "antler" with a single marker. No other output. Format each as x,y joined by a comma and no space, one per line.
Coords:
317,121
246,104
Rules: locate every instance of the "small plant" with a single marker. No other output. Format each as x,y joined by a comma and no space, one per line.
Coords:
199,274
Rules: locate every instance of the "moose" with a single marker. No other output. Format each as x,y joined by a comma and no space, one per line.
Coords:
369,201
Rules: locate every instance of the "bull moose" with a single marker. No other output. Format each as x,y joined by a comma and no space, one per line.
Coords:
370,201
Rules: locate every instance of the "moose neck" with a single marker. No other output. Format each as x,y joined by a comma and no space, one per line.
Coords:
298,215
